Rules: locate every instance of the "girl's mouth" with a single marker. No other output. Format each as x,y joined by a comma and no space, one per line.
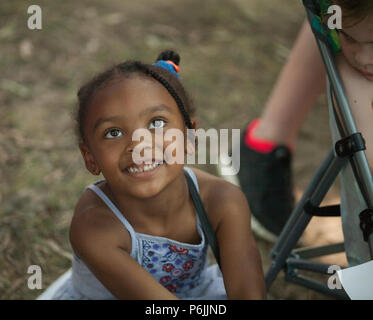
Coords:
143,169
366,74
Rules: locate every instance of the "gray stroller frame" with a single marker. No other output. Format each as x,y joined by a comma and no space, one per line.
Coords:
349,149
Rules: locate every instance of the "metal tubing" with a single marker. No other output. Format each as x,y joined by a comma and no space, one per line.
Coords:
299,208
302,264
313,252
315,192
317,286
320,183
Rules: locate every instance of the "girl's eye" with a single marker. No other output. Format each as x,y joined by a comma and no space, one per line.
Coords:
157,123
113,133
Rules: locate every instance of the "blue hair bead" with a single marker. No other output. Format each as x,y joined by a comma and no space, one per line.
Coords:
167,66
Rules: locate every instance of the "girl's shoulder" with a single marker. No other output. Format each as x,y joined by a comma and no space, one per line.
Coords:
219,196
214,189
93,220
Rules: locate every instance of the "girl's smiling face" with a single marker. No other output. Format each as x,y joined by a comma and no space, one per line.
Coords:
113,115
357,46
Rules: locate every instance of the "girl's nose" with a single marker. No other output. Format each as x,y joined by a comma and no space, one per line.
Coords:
138,136
129,148
140,145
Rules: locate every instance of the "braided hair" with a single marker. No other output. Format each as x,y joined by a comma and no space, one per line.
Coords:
127,69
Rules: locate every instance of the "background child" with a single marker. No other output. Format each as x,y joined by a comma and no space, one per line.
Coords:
135,235
355,64
267,145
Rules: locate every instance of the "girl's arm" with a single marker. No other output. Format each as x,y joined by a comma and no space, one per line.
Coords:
240,260
94,237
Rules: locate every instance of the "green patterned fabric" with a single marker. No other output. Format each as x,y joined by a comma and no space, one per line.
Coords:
331,35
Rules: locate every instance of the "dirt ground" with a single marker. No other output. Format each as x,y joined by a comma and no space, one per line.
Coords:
231,53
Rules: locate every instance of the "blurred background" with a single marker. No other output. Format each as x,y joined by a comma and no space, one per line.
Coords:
231,53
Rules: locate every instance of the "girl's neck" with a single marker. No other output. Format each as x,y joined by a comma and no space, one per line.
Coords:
159,209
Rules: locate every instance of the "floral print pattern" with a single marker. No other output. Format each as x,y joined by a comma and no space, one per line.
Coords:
178,268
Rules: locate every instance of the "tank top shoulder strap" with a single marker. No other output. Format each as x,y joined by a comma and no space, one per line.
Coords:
193,176
118,214
202,218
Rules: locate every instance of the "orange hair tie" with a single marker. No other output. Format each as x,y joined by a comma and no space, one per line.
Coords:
176,67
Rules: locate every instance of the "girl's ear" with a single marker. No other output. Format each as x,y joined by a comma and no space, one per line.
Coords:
194,123
191,141
89,160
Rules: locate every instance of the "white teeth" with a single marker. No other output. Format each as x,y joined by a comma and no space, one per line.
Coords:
147,167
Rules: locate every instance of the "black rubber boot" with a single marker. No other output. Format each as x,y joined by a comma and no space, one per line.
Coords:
266,180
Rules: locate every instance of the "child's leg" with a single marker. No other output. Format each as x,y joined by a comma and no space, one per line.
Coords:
265,173
295,93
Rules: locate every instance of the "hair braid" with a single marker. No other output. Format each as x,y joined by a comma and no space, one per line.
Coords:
174,94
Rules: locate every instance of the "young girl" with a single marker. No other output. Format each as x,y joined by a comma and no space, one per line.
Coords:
136,235
355,64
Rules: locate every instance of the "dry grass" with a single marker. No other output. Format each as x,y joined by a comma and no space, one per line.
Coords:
231,53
